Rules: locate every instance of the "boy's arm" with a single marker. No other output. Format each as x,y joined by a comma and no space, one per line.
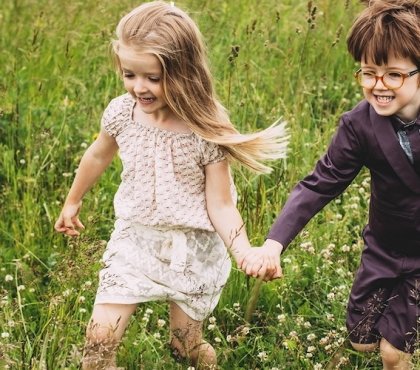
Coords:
222,211
93,163
333,173
331,176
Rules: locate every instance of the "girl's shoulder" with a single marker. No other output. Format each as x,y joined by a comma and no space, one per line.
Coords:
117,114
210,152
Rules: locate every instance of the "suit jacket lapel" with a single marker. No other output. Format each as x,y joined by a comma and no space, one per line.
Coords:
384,132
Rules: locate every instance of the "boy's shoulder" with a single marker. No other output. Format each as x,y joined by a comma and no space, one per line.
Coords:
360,110
360,115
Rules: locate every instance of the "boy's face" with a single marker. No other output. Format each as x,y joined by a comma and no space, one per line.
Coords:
404,101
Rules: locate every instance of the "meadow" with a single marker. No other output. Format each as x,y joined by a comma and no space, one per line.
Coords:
270,59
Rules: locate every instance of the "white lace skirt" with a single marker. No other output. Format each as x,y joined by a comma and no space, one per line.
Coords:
185,266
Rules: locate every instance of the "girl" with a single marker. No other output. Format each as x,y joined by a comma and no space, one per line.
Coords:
175,208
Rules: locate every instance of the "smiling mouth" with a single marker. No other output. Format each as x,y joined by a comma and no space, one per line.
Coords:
146,100
384,99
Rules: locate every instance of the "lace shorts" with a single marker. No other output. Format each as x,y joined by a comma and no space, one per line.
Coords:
185,266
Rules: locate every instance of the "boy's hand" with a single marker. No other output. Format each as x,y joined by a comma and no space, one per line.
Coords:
263,262
68,222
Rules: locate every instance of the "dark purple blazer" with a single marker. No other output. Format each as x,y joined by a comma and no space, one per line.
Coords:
363,138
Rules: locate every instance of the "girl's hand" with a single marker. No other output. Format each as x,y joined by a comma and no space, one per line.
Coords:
263,262
68,222
239,253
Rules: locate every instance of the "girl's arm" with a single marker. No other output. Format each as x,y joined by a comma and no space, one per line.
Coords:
222,211
227,221
93,163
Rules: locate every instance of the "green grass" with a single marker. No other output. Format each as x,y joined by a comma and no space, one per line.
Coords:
56,79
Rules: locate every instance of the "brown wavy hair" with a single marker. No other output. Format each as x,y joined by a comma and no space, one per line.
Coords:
173,37
385,28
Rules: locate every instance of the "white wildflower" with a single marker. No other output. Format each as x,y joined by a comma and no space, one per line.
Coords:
281,318
263,356
311,349
330,296
245,330
345,248
311,337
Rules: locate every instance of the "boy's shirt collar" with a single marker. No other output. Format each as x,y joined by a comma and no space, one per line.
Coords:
400,124
408,134
391,148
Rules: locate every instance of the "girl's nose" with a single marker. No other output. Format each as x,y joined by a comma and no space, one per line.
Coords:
139,86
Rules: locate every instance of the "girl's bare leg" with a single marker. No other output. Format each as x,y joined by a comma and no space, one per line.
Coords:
104,332
187,339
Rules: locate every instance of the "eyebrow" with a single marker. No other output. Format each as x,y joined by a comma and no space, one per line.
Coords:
153,73
387,67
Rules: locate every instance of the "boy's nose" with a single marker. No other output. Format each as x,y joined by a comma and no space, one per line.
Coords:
380,84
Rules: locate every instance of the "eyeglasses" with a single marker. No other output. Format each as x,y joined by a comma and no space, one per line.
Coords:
391,80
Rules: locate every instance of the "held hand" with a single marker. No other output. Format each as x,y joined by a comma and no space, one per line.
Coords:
68,222
263,262
239,253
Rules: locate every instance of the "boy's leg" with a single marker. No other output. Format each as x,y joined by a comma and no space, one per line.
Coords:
187,339
385,304
393,358
400,323
365,347
104,332
369,298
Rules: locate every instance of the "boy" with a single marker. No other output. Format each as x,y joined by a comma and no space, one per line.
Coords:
383,134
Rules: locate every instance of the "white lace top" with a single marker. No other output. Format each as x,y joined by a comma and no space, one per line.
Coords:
163,182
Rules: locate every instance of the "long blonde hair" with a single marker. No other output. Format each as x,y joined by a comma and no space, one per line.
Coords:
172,36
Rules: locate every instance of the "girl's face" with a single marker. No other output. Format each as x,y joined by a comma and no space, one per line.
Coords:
404,101
142,75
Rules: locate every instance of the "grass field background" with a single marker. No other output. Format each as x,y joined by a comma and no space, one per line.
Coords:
56,77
